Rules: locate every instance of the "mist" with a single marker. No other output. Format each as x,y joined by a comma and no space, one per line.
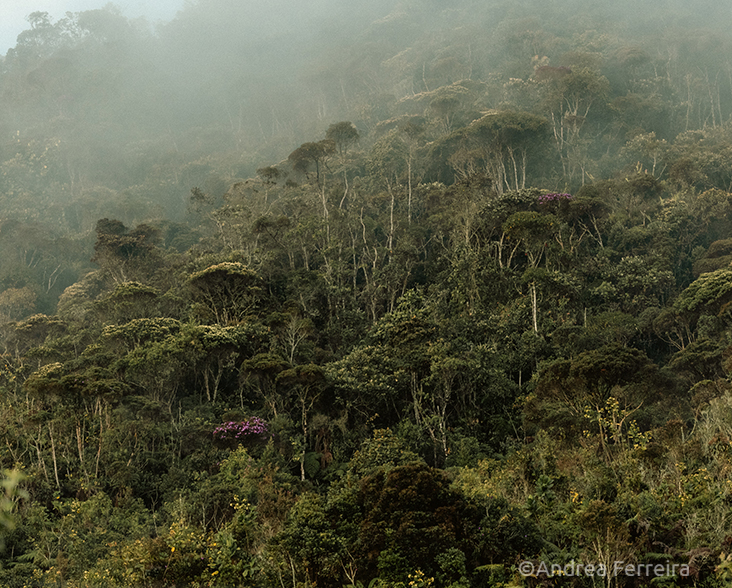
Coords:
250,78
367,293
108,116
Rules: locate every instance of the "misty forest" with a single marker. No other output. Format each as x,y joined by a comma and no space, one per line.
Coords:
367,294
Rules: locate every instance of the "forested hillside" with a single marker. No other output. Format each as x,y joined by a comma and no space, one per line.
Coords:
385,294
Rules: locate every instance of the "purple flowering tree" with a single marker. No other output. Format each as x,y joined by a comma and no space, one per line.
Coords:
235,432
554,197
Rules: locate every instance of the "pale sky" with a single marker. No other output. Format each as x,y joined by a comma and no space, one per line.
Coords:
14,12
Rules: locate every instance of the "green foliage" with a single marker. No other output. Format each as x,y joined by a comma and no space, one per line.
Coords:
343,134
460,365
226,292
410,516
383,451
12,493
709,292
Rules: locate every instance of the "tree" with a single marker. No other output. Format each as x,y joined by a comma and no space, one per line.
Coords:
392,158
568,388
532,230
261,372
410,517
293,330
45,37
226,292
309,540
308,155
445,104
123,254
711,292
305,383
129,300
16,303
343,135
569,95
501,142
216,351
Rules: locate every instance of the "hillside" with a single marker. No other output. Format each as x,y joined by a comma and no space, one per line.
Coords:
399,294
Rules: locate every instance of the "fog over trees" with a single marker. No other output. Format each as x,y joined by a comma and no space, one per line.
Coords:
367,294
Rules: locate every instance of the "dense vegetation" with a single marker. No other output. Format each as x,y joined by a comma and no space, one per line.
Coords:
401,299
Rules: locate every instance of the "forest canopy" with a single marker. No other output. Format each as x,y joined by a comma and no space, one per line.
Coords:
386,294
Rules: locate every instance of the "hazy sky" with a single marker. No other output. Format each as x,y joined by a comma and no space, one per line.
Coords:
14,12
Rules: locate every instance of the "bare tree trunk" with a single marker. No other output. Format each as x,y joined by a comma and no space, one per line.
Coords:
53,454
80,446
409,189
99,451
390,240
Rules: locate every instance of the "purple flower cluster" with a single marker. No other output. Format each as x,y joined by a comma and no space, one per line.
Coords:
546,198
241,429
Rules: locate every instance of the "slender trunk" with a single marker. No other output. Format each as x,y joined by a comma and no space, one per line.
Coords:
597,231
99,451
390,240
304,417
41,462
523,169
515,169
415,398
345,192
80,446
206,385
504,175
53,455
354,263
512,253
409,190
10,449
217,379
